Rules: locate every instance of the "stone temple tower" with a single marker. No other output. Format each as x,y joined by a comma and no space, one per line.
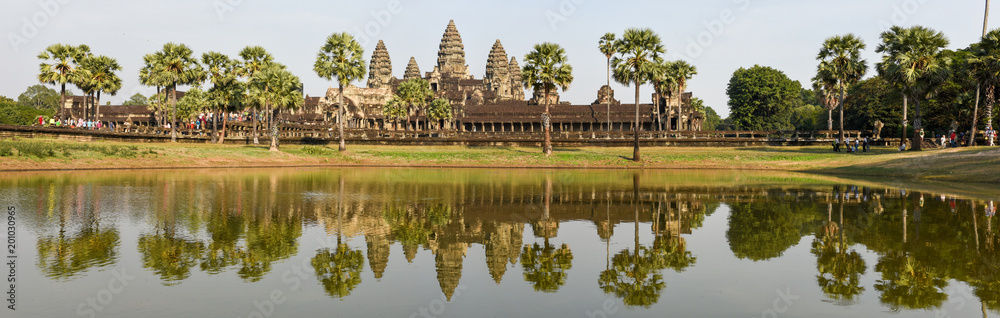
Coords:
412,71
498,72
380,69
451,53
517,87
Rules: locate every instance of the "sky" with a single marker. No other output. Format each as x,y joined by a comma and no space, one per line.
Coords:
717,37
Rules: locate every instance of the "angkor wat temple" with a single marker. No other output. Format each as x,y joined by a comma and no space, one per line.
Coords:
496,102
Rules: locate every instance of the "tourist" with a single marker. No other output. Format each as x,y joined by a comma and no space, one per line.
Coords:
954,139
943,140
864,144
41,120
857,144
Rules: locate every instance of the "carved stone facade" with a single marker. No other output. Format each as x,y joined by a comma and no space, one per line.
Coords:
451,53
502,77
517,89
495,97
606,96
412,70
380,69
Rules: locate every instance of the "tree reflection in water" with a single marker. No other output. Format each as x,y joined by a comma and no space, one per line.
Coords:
65,256
921,249
545,265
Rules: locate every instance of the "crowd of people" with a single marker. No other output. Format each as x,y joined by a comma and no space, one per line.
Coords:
860,144
75,123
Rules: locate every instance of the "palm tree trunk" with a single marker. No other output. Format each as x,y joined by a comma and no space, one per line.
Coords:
340,117
917,125
680,100
173,116
215,131
635,151
829,119
902,135
254,123
547,123
609,99
975,110
62,102
225,120
273,127
840,101
97,107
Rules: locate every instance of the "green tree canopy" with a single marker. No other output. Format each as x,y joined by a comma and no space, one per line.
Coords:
39,97
761,98
136,99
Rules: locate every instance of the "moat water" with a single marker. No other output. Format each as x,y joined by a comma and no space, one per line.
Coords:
504,243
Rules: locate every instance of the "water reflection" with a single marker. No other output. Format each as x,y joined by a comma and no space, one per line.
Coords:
243,224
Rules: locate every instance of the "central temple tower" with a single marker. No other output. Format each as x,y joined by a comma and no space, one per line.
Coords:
451,53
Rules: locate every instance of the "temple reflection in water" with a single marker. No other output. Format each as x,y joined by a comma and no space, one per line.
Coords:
243,224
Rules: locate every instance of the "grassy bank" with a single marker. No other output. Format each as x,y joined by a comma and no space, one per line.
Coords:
963,165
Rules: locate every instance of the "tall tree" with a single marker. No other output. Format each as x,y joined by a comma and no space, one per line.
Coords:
276,88
912,61
664,81
975,110
640,49
394,110
761,98
682,73
840,61
224,96
254,58
826,91
987,69
439,110
609,47
178,66
59,61
340,57
415,93
40,97
546,69
151,74
102,78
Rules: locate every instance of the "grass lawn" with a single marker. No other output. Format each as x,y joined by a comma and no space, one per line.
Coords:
963,165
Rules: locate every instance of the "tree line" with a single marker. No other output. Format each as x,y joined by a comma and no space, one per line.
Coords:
943,88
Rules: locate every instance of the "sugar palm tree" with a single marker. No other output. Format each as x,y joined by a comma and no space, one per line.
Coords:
975,110
102,78
151,75
682,73
640,49
226,87
178,66
415,93
59,61
275,88
840,62
340,57
546,69
912,61
825,89
664,80
394,110
609,47
987,68
439,110
254,58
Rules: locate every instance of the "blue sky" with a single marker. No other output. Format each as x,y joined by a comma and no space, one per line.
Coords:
717,37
